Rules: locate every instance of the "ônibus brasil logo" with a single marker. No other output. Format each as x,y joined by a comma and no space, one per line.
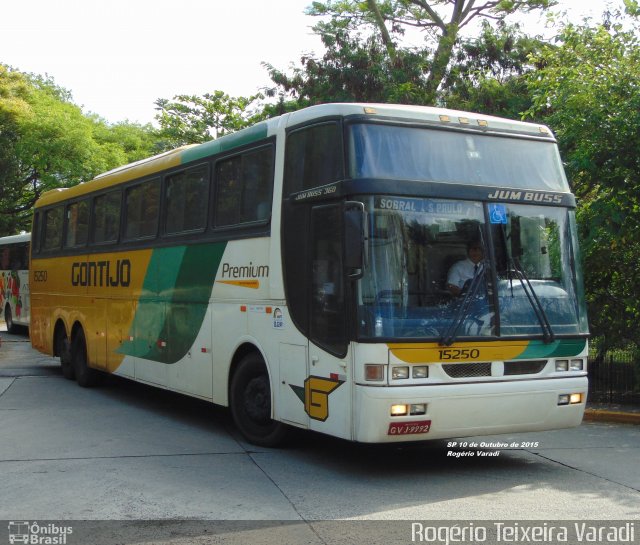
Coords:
38,534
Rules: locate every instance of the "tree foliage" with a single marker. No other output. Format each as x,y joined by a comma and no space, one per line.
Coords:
489,72
47,142
588,89
354,67
193,119
365,57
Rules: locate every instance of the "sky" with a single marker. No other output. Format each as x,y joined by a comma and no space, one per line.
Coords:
118,56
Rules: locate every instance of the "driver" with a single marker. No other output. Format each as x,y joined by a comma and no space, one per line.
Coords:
463,271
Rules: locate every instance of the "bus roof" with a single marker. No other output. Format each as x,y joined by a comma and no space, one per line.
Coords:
194,152
15,239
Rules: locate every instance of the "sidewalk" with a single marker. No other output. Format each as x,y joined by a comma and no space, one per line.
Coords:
612,412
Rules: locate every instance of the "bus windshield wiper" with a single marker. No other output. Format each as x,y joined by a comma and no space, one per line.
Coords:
536,305
463,310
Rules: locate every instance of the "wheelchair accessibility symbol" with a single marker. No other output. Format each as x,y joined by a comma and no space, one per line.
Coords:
498,214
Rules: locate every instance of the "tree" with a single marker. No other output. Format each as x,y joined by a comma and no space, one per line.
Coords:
588,90
192,119
47,142
379,26
14,92
488,72
355,66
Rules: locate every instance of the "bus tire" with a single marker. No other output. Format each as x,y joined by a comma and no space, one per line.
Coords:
8,319
250,402
85,375
64,351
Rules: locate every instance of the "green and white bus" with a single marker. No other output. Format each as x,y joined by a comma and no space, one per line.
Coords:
14,280
298,271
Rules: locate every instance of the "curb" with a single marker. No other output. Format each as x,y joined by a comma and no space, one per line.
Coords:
618,417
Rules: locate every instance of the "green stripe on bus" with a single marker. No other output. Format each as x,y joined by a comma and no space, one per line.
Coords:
557,349
174,302
225,143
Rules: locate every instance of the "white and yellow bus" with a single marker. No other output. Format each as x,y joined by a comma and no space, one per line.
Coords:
14,281
297,271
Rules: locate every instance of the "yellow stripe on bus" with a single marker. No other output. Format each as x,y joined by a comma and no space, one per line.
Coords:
457,352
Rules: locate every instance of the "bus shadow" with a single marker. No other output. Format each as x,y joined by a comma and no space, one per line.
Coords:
312,469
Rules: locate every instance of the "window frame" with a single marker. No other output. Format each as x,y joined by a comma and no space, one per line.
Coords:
43,248
92,222
248,226
164,214
67,206
339,123
124,210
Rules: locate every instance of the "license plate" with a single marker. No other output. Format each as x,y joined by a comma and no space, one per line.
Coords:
409,428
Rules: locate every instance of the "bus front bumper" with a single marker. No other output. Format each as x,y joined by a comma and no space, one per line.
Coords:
463,410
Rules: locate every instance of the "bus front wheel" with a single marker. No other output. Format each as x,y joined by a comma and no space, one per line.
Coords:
250,401
85,375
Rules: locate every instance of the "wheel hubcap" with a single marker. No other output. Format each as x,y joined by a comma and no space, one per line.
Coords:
257,400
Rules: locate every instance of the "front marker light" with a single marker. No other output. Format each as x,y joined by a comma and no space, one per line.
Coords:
421,371
399,410
562,365
569,399
374,371
575,399
398,373
576,365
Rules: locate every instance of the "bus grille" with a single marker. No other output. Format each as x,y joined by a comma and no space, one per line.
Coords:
467,370
524,367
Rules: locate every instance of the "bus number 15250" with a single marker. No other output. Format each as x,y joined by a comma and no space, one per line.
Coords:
459,353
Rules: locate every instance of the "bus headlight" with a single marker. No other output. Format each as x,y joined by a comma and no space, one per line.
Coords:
562,365
399,373
576,365
421,371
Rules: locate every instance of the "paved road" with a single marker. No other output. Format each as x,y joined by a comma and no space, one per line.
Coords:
130,452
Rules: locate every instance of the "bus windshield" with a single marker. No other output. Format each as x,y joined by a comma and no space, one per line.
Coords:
410,153
520,267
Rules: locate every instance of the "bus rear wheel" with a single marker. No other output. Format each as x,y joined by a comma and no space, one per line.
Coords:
85,375
64,351
250,401
8,319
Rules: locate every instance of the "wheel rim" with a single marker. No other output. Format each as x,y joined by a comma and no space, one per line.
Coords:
257,400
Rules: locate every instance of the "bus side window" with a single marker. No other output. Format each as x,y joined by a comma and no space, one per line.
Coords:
106,217
5,258
187,195
52,236
20,257
35,234
77,224
314,157
244,185
142,208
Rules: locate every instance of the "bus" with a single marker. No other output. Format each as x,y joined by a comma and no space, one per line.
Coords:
297,271
14,281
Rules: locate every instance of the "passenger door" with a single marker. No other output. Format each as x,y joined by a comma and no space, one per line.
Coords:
327,389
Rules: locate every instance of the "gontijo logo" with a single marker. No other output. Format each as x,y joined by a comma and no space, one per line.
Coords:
36,534
101,273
